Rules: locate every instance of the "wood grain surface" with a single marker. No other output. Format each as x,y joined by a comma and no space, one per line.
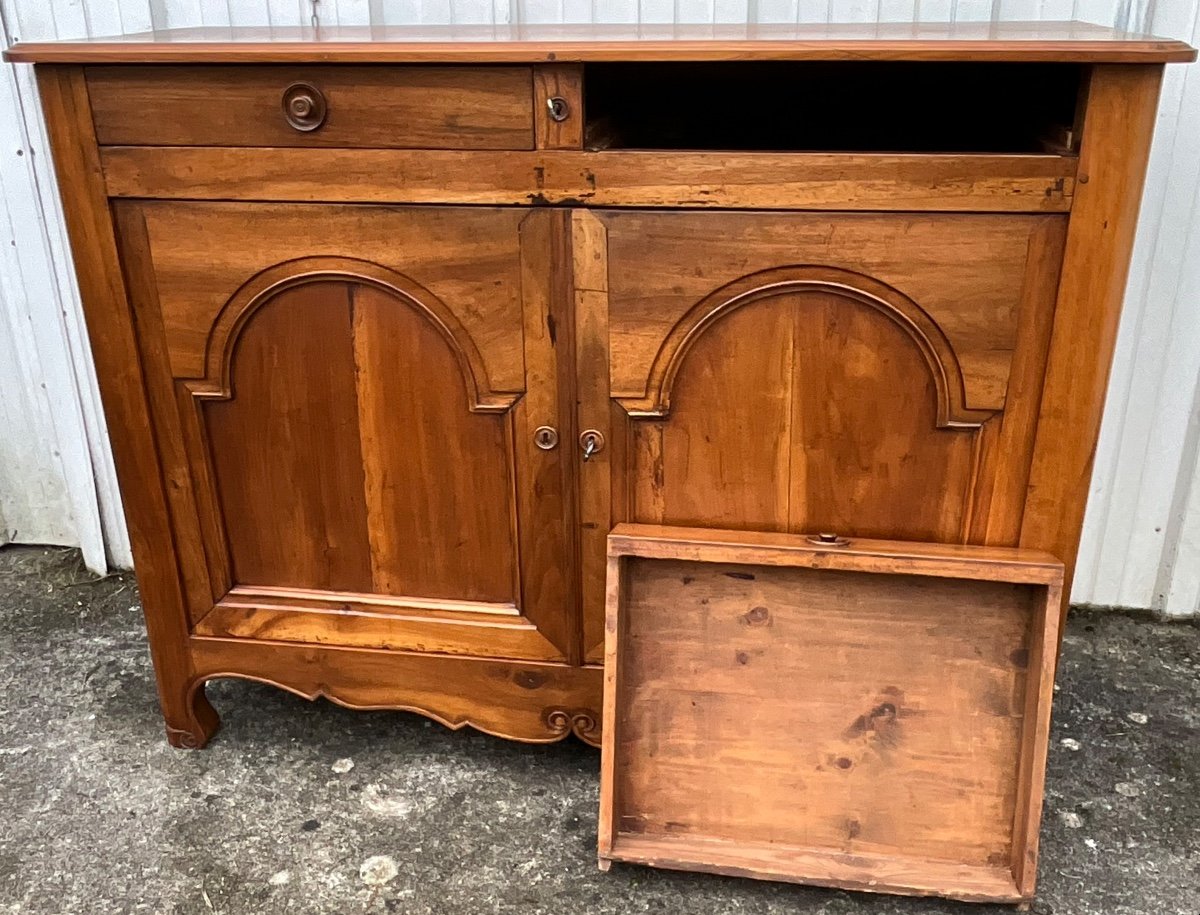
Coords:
529,702
631,178
525,43
1117,129
829,714
417,107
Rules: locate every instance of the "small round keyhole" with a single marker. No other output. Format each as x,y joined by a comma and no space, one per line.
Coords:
590,442
559,109
545,437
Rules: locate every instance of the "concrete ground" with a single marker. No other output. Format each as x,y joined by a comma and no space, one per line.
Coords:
299,807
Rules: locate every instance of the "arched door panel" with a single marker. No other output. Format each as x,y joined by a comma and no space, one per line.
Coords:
285,447
348,397
801,412
350,460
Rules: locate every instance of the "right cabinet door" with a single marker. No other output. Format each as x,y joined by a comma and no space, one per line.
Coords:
875,375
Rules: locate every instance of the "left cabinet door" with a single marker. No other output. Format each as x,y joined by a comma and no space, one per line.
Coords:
347,401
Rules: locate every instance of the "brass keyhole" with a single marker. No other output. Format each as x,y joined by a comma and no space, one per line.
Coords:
545,437
559,109
591,441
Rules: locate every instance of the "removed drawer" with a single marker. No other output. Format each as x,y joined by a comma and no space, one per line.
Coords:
368,106
865,714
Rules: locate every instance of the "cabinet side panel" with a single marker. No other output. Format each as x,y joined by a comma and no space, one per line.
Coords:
1119,120
190,720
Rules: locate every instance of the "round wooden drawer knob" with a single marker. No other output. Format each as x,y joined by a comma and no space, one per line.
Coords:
304,106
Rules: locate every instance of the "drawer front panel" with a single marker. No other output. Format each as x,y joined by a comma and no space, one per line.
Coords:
398,107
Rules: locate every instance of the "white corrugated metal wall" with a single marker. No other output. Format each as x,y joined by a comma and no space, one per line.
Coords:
1141,543
1142,538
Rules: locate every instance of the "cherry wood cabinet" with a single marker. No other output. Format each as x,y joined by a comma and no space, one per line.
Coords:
392,333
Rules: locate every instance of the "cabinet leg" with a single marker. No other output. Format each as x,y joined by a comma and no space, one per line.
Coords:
191,721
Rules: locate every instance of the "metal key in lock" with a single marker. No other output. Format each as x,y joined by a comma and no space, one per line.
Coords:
591,441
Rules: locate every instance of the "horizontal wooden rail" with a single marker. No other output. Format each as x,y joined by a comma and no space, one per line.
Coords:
626,178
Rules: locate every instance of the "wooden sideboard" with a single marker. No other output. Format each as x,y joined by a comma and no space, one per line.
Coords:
391,332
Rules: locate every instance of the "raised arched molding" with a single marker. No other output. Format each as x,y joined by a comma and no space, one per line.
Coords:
269,283
890,303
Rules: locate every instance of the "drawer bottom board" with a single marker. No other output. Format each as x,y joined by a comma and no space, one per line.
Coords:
870,730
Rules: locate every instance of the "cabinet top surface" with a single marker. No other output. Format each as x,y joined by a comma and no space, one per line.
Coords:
1012,41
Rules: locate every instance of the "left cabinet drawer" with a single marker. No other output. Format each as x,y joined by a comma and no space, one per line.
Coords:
411,107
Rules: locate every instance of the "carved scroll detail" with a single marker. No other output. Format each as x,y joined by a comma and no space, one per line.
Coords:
890,303
555,724
268,283
582,722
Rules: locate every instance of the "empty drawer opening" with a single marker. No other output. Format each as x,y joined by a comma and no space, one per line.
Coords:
833,107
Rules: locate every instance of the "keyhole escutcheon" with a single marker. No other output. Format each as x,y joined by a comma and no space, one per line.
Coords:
591,441
545,437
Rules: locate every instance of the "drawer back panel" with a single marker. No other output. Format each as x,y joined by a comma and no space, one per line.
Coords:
364,106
